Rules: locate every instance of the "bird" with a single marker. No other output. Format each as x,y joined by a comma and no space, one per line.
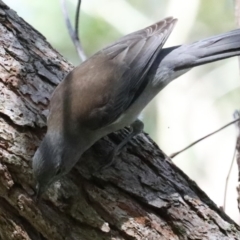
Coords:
108,91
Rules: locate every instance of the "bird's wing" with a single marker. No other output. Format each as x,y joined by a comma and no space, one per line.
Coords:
103,87
134,55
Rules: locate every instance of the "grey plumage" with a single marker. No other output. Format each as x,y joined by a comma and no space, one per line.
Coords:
109,90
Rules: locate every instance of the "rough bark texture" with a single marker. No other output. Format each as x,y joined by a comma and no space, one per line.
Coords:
144,196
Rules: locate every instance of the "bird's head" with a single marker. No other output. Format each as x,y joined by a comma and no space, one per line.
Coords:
49,164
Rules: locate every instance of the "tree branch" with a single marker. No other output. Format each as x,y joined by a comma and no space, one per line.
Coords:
203,138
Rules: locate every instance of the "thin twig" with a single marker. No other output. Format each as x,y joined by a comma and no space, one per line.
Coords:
237,113
67,19
227,179
77,19
199,140
236,116
73,33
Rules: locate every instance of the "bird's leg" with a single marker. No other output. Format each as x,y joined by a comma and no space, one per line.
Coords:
136,128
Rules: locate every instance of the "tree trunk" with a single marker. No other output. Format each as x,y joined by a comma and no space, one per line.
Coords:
144,196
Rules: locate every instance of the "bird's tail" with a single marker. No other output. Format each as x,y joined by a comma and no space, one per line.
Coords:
208,50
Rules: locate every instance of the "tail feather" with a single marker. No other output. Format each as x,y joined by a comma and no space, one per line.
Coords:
206,51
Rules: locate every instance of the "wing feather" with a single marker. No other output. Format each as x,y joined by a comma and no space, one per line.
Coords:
134,54
103,87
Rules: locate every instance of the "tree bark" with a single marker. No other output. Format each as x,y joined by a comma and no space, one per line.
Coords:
144,196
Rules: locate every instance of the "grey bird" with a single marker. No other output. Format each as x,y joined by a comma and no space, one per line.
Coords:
109,90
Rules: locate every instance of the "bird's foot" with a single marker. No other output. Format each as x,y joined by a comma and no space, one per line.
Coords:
137,127
110,161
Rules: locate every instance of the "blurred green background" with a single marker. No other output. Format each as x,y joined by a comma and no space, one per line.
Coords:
194,105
